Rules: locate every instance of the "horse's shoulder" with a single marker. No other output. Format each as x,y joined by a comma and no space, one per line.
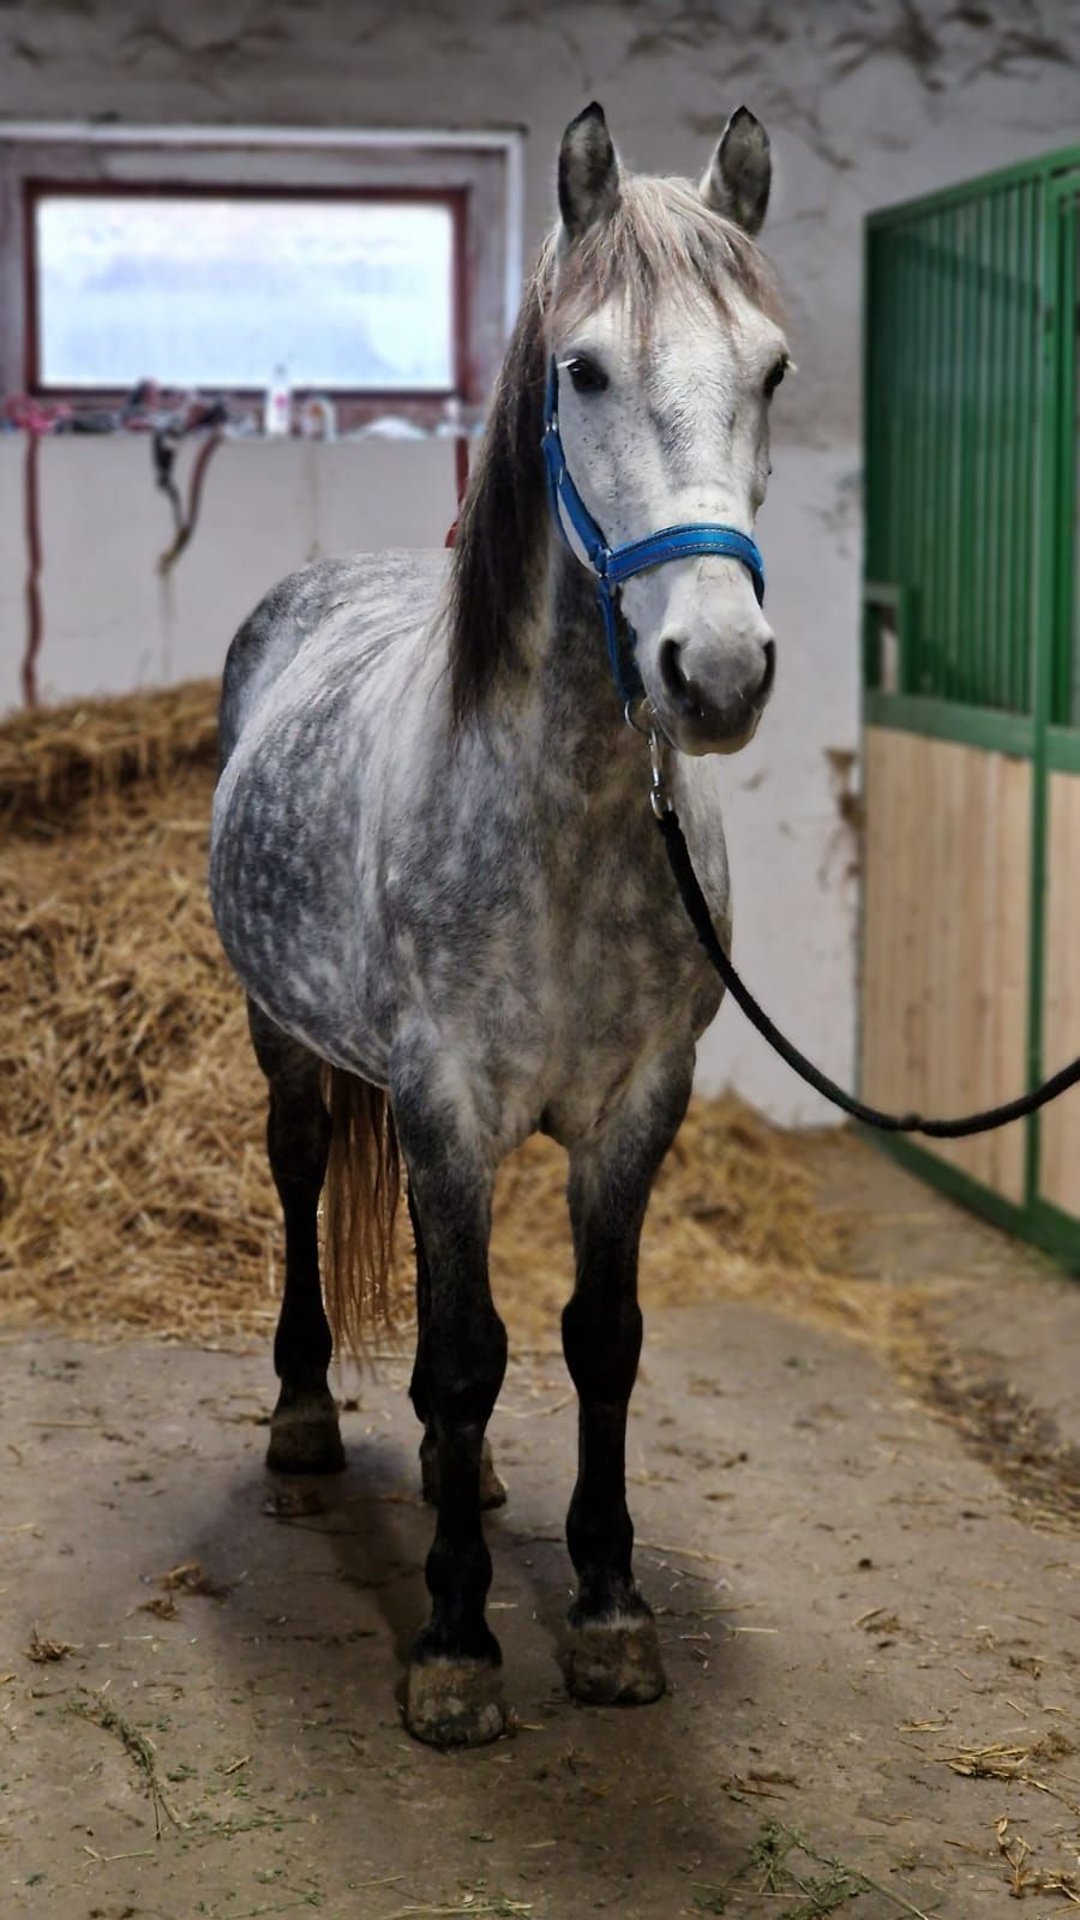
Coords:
355,595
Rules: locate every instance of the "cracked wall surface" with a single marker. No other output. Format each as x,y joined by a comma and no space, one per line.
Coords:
867,102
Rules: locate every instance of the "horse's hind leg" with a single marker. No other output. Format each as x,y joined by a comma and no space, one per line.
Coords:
304,1432
492,1488
612,1651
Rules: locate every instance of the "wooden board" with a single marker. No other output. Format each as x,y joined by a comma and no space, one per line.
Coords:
1059,1148
946,899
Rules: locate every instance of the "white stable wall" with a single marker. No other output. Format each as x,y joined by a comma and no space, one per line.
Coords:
111,623
867,102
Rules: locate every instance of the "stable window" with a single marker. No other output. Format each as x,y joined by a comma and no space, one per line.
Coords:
370,266
210,290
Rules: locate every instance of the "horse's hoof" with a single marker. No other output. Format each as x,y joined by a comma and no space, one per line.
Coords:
492,1488
305,1437
454,1703
615,1662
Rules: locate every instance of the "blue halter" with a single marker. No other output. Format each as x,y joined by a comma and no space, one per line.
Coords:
613,565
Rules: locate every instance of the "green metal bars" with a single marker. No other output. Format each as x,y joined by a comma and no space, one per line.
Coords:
972,475
952,412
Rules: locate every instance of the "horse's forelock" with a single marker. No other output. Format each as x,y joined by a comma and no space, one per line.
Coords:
662,238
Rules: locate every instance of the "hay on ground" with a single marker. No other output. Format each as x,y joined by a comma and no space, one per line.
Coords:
53,756
134,1192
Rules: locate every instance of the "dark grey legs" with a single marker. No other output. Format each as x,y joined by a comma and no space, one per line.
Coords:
453,1692
612,1648
492,1489
304,1433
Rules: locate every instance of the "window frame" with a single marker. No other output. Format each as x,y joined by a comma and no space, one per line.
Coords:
35,191
478,176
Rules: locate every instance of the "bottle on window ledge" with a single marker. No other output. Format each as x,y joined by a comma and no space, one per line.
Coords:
277,416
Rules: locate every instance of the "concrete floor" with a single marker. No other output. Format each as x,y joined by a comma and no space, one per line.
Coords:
853,1589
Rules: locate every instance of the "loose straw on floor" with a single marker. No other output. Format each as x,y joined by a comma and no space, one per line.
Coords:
134,1193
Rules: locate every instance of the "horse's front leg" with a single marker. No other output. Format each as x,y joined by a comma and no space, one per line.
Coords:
453,1690
613,1653
492,1488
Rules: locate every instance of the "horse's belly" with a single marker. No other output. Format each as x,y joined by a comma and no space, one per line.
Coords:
292,952
289,882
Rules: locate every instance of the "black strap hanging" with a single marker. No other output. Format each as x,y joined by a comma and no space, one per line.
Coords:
697,908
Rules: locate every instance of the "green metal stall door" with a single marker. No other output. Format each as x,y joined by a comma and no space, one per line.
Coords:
952,395
972,584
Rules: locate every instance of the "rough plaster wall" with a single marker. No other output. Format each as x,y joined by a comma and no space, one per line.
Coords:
867,101
110,624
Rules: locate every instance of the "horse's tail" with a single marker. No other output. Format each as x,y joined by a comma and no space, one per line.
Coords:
362,1191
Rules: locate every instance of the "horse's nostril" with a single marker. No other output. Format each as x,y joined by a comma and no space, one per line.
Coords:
769,675
681,691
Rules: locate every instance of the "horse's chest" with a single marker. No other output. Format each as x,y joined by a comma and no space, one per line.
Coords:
624,969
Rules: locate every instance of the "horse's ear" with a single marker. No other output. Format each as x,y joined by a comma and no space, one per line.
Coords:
588,172
737,181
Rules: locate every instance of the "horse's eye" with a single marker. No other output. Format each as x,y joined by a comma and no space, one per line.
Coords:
585,375
774,377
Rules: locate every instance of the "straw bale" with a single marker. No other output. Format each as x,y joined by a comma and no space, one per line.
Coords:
52,756
134,1194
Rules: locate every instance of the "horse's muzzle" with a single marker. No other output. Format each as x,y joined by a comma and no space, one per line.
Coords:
711,702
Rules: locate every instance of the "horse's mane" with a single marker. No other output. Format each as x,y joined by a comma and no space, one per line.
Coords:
660,236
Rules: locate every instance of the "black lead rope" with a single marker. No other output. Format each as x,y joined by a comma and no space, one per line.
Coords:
697,907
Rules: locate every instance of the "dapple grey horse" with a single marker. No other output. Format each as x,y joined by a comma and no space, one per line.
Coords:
434,869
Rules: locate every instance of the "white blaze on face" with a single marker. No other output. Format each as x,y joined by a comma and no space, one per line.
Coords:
674,431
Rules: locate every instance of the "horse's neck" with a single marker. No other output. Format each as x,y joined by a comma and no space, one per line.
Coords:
573,701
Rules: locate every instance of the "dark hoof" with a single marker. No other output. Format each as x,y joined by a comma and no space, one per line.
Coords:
492,1489
454,1703
615,1662
305,1437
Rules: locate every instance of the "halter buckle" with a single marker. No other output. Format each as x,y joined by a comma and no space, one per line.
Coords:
639,715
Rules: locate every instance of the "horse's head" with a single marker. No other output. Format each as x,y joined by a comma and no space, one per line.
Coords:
663,330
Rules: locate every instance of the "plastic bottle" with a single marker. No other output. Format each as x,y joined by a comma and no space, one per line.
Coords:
277,422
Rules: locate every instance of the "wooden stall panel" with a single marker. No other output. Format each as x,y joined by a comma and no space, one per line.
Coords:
1059,1150
945,939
